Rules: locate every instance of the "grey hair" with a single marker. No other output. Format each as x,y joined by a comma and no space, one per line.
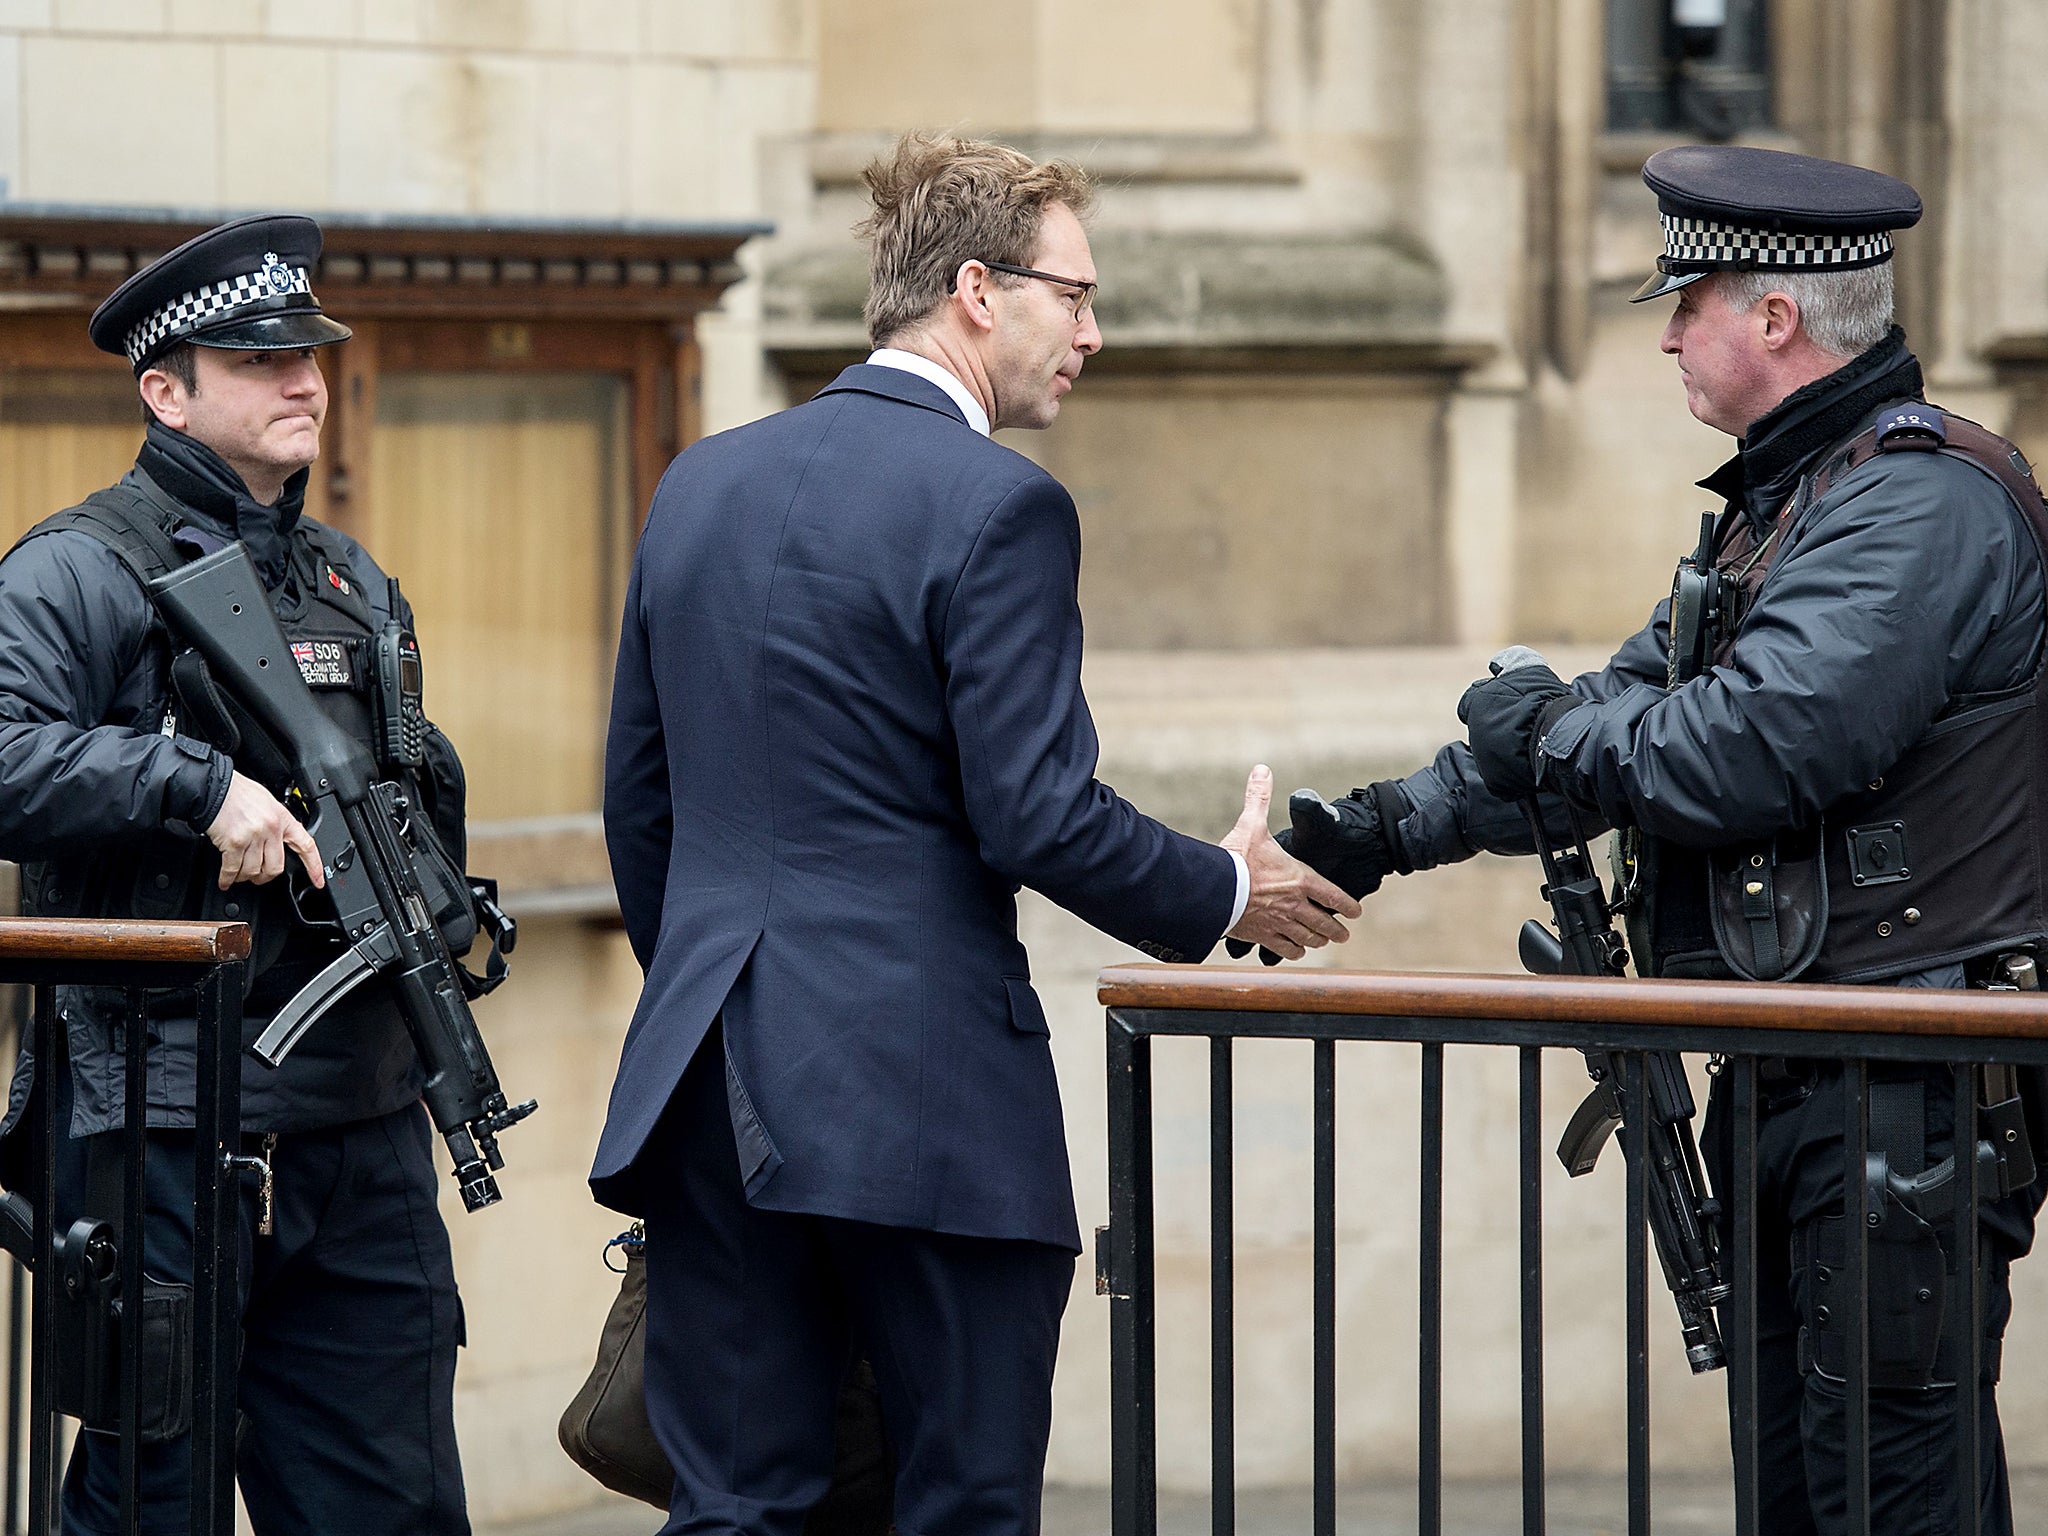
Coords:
1846,313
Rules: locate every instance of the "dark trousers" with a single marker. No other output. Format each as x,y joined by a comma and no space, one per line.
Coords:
1801,1430
753,1315
350,1324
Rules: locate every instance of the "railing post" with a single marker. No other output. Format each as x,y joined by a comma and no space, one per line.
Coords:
1637,1149
1533,1512
1857,1218
1222,1295
1324,1325
134,1129
42,1443
17,1382
1133,1419
216,1250
1965,1320
1429,1449
17,1315
1739,1200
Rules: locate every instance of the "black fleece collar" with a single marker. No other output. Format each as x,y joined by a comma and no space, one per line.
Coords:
1782,442
205,485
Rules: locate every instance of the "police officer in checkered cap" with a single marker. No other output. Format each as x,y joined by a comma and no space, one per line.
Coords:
1828,771
1730,208
245,286
127,791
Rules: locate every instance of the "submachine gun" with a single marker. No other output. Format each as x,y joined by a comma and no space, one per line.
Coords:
1681,1212
363,830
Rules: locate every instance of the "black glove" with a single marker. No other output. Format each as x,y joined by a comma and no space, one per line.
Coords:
1343,842
1507,716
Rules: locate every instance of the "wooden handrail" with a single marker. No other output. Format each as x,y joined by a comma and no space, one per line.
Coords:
1579,999
92,938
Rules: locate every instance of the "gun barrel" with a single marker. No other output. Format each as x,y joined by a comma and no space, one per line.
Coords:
1704,1350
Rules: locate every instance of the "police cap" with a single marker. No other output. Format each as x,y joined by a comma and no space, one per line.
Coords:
1731,208
246,285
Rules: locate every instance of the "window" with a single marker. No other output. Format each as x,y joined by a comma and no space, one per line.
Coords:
1697,67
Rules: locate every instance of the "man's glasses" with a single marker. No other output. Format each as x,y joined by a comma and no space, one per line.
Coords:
1087,300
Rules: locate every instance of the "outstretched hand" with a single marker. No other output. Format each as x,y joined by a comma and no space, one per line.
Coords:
1292,909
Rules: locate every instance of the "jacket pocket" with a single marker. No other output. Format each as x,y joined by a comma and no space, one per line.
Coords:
1026,1012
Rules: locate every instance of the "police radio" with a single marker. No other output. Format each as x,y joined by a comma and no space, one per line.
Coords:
1698,604
401,715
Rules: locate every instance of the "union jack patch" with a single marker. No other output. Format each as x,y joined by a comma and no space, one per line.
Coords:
324,663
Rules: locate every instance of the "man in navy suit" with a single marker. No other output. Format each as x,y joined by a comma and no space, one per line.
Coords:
847,727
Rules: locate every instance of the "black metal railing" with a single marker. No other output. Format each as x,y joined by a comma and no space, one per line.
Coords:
1742,1022
44,954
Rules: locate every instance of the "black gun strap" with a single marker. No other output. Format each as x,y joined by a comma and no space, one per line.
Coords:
496,968
204,704
129,524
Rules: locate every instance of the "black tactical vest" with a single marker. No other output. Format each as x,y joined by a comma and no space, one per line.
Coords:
359,1057
1941,859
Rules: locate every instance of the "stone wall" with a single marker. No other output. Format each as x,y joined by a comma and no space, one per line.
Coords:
1263,510
565,109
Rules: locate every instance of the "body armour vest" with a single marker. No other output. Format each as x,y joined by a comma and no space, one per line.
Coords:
1940,859
359,1054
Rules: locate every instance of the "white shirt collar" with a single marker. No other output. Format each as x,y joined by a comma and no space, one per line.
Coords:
933,373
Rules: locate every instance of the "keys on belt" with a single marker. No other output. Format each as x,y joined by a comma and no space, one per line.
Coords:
266,1182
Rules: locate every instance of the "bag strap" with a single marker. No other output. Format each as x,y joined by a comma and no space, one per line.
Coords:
1917,427
129,524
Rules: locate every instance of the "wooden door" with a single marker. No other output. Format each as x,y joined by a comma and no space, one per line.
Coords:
500,502
64,433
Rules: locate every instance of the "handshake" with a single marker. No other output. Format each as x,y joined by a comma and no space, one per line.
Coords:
1309,876
1334,853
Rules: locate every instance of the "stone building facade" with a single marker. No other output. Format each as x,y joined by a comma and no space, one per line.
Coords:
1372,402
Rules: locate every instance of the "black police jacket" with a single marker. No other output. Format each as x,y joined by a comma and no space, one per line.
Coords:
1913,583
90,777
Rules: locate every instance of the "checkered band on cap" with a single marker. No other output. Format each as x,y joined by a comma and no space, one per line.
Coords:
1710,243
274,279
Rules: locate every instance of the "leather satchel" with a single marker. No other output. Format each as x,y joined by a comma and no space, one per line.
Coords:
604,1429
606,1432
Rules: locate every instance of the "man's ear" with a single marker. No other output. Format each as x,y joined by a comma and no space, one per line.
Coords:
165,396
1780,315
971,287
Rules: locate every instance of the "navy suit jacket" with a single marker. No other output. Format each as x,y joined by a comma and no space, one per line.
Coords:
847,726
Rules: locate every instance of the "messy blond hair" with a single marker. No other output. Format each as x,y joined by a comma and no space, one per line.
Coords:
940,200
